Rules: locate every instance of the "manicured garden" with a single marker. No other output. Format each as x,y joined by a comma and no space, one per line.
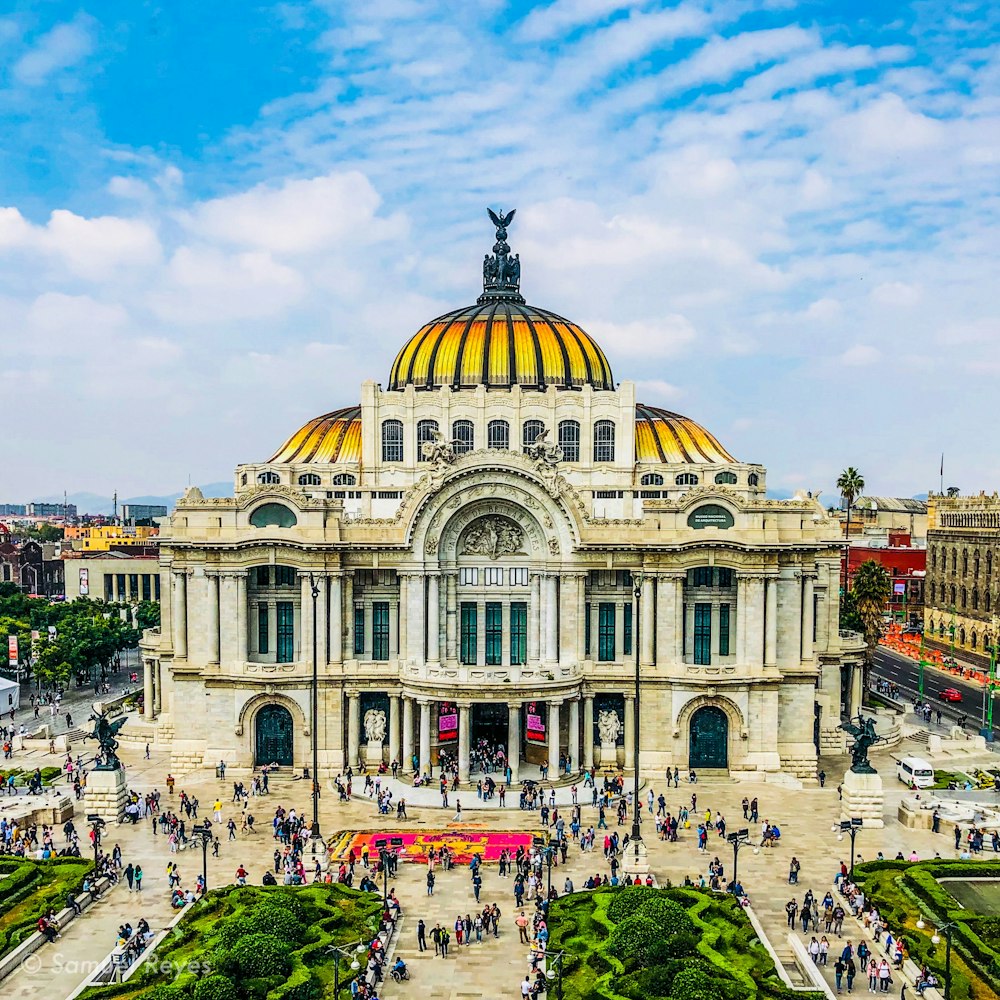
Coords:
685,944
255,943
23,777
903,892
29,889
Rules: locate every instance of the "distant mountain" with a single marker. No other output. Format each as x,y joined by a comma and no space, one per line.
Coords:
93,503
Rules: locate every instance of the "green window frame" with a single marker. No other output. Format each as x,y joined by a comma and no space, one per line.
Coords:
263,575
359,630
262,636
605,632
703,633
284,576
286,632
725,576
380,630
627,630
586,630
120,581
723,630
469,632
109,587
147,586
494,633
518,633
702,576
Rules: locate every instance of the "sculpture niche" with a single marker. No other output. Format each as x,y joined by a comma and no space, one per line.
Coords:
493,537
375,725
609,728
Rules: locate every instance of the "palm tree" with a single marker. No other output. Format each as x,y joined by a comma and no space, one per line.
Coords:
850,484
872,587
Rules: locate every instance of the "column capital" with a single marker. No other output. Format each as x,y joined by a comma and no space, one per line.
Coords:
556,702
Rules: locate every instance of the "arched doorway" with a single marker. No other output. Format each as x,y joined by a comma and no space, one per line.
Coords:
709,746
273,736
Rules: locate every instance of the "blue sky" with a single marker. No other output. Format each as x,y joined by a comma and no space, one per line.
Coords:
779,218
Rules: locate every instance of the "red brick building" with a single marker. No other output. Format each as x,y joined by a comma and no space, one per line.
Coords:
905,564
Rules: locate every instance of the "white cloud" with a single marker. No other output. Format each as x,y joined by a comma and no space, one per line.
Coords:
59,49
656,338
897,293
860,356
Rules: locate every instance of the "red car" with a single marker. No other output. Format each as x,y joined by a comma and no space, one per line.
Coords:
950,694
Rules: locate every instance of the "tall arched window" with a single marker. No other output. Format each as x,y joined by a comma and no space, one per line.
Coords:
753,479
569,440
965,562
954,560
933,558
987,600
392,440
651,479
953,593
975,598
686,479
975,640
604,441
498,434
426,429
975,563
309,479
344,479
530,431
933,591
726,478
965,598
464,436
269,479
989,562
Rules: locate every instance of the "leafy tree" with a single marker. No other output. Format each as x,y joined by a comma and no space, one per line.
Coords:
849,617
872,587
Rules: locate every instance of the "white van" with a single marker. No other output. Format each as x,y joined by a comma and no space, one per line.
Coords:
915,771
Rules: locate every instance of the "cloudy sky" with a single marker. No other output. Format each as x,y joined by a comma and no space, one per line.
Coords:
216,220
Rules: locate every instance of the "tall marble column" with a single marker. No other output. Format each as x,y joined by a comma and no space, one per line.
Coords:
666,620
568,622
451,617
394,728
213,618
554,739
588,733
574,735
647,610
347,646
147,689
534,619
323,620
241,617
629,732
433,618
407,733
306,621
551,591
463,742
771,622
353,729
336,608
402,641
808,614
415,618
514,739
789,618
742,618
425,737
755,622
178,608
157,687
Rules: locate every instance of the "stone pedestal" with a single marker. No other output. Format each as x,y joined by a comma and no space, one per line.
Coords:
635,860
373,753
609,755
862,797
106,794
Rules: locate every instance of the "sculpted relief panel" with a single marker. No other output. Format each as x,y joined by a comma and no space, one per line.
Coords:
493,537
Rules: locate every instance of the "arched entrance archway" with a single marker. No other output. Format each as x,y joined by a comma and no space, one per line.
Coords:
273,736
709,738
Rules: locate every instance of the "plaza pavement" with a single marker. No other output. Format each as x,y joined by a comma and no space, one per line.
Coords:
492,968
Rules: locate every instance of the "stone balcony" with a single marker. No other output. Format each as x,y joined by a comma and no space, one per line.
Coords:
451,672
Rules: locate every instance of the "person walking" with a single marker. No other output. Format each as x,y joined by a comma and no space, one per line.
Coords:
522,927
137,875
791,909
129,875
850,971
436,938
445,940
838,973
421,935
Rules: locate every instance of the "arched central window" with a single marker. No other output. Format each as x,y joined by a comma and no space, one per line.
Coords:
651,479
309,479
686,479
344,479
726,478
530,431
269,479
464,436
604,441
753,479
498,435
569,440
392,440
426,429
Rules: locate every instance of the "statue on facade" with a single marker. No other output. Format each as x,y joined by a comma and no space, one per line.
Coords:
438,450
545,452
105,732
865,737
501,272
375,725
609,726
493,537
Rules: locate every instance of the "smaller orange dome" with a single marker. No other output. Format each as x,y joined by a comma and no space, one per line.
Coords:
332,438
665,437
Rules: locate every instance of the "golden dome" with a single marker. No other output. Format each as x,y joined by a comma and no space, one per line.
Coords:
500,343
665,437
332,438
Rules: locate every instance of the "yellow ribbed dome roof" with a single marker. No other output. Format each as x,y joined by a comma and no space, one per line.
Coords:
500,343
665,437
332,438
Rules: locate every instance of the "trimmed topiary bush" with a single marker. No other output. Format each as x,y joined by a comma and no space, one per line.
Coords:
276,921
669,916
626,901
215,988
633,937
261,956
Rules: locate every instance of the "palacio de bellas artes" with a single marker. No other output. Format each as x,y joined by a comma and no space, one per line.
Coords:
481,550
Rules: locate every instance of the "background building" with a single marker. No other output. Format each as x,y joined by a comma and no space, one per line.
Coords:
50,510
108,537
112,576
12,509
34,566
142,511
963,574
906,565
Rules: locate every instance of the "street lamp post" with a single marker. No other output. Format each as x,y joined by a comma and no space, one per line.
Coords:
987,729
739,839
555,958
851,828
383,857
350,951
314,836
936,939
204,832
548,862
638,846
96,824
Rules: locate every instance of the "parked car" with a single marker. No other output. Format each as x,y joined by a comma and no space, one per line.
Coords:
950,694
913,630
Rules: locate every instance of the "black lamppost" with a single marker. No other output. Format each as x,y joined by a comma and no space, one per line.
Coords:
96,824
314,836
204,832
548,862
350,951
555,958
739,839
637,581
936,939
851,828
383,857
